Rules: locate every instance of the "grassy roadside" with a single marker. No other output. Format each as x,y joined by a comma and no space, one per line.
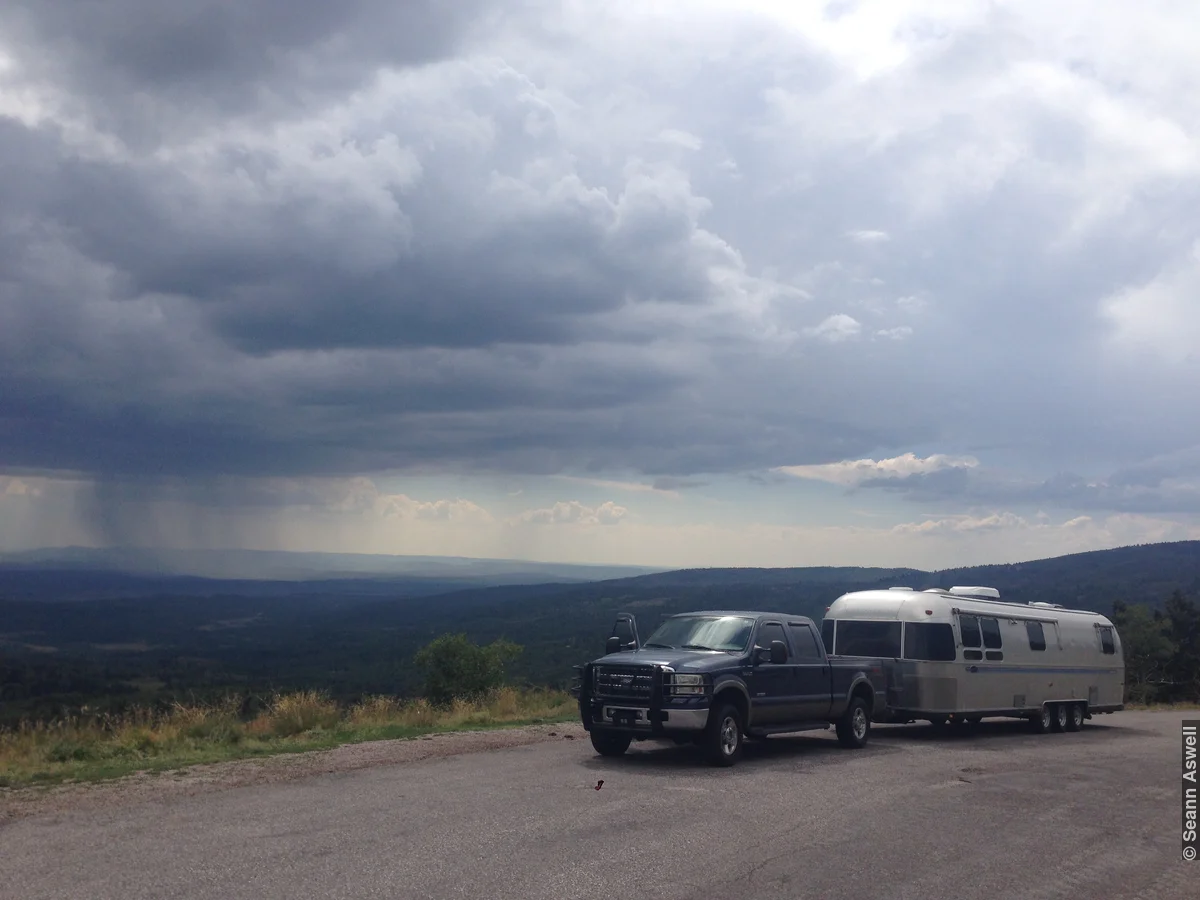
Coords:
110,747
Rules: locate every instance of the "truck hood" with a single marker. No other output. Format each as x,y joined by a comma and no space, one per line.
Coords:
679,660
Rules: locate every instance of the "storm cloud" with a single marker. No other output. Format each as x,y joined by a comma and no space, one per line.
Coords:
295,239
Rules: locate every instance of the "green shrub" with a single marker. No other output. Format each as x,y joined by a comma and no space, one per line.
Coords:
457,669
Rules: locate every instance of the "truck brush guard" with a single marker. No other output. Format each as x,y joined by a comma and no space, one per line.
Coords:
647,686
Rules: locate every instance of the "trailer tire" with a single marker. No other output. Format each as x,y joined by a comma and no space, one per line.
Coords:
724,736
1061,717
854,727
1075,717
610,743
1043,721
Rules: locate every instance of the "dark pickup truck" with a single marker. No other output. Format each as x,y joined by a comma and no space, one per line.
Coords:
716,678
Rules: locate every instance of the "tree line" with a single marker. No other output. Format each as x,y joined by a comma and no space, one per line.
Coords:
1162,650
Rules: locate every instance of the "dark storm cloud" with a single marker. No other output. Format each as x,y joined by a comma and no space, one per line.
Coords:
258,239
213,57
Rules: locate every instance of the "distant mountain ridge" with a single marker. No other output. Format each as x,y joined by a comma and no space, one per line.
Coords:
292,566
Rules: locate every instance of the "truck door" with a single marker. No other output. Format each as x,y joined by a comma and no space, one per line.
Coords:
811,673
772,689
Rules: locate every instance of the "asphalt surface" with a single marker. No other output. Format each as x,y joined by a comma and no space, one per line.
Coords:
1000,813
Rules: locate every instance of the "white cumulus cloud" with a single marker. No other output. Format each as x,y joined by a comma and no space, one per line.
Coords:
835,329
853,472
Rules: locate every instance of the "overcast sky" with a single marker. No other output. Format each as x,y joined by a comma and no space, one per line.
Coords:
672,282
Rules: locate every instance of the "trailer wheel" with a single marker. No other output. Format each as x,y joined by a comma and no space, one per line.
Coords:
610,743
1075,717
854,727
1060,716
1043,722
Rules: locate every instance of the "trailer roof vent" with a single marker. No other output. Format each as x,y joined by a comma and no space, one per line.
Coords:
1046,605
984,593
899,589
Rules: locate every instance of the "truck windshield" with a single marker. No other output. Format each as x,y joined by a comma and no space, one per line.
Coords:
703,633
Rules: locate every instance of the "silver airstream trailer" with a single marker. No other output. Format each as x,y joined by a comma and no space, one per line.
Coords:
963,654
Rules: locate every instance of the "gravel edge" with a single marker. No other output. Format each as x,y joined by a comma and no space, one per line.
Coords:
142,787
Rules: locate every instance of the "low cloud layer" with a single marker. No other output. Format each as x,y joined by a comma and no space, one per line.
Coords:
292,241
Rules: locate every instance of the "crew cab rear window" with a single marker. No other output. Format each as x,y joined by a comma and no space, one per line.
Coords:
857,638
805,642
827,635
931,641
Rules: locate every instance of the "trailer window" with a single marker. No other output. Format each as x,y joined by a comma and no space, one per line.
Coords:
805,641
991,633
827,634
1106,640
932,641
1037,637
969,626
856,638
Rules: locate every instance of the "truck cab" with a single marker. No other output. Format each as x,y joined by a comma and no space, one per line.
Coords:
716,677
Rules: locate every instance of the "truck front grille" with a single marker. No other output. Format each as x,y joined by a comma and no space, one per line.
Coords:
624,682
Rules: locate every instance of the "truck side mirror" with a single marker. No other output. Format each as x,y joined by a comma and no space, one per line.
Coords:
612,645
778,652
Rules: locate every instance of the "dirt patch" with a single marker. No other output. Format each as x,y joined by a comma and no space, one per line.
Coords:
19,803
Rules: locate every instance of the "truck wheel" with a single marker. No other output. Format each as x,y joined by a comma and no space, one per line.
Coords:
854,727
723,737
610,743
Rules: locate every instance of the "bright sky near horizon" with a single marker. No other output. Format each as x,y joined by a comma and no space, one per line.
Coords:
673,283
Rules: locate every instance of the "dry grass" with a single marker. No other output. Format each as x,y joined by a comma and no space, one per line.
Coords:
90,748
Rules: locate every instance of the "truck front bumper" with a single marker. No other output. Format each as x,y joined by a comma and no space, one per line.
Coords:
602,712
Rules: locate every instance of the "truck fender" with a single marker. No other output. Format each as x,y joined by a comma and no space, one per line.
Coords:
859,680
733,683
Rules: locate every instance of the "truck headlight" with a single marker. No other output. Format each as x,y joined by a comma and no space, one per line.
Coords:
687,685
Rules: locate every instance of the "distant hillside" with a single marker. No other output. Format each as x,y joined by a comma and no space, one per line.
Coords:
359,635
279,565
1146,573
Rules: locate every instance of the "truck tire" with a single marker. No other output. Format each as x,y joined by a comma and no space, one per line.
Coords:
723,736
610,743
854,726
